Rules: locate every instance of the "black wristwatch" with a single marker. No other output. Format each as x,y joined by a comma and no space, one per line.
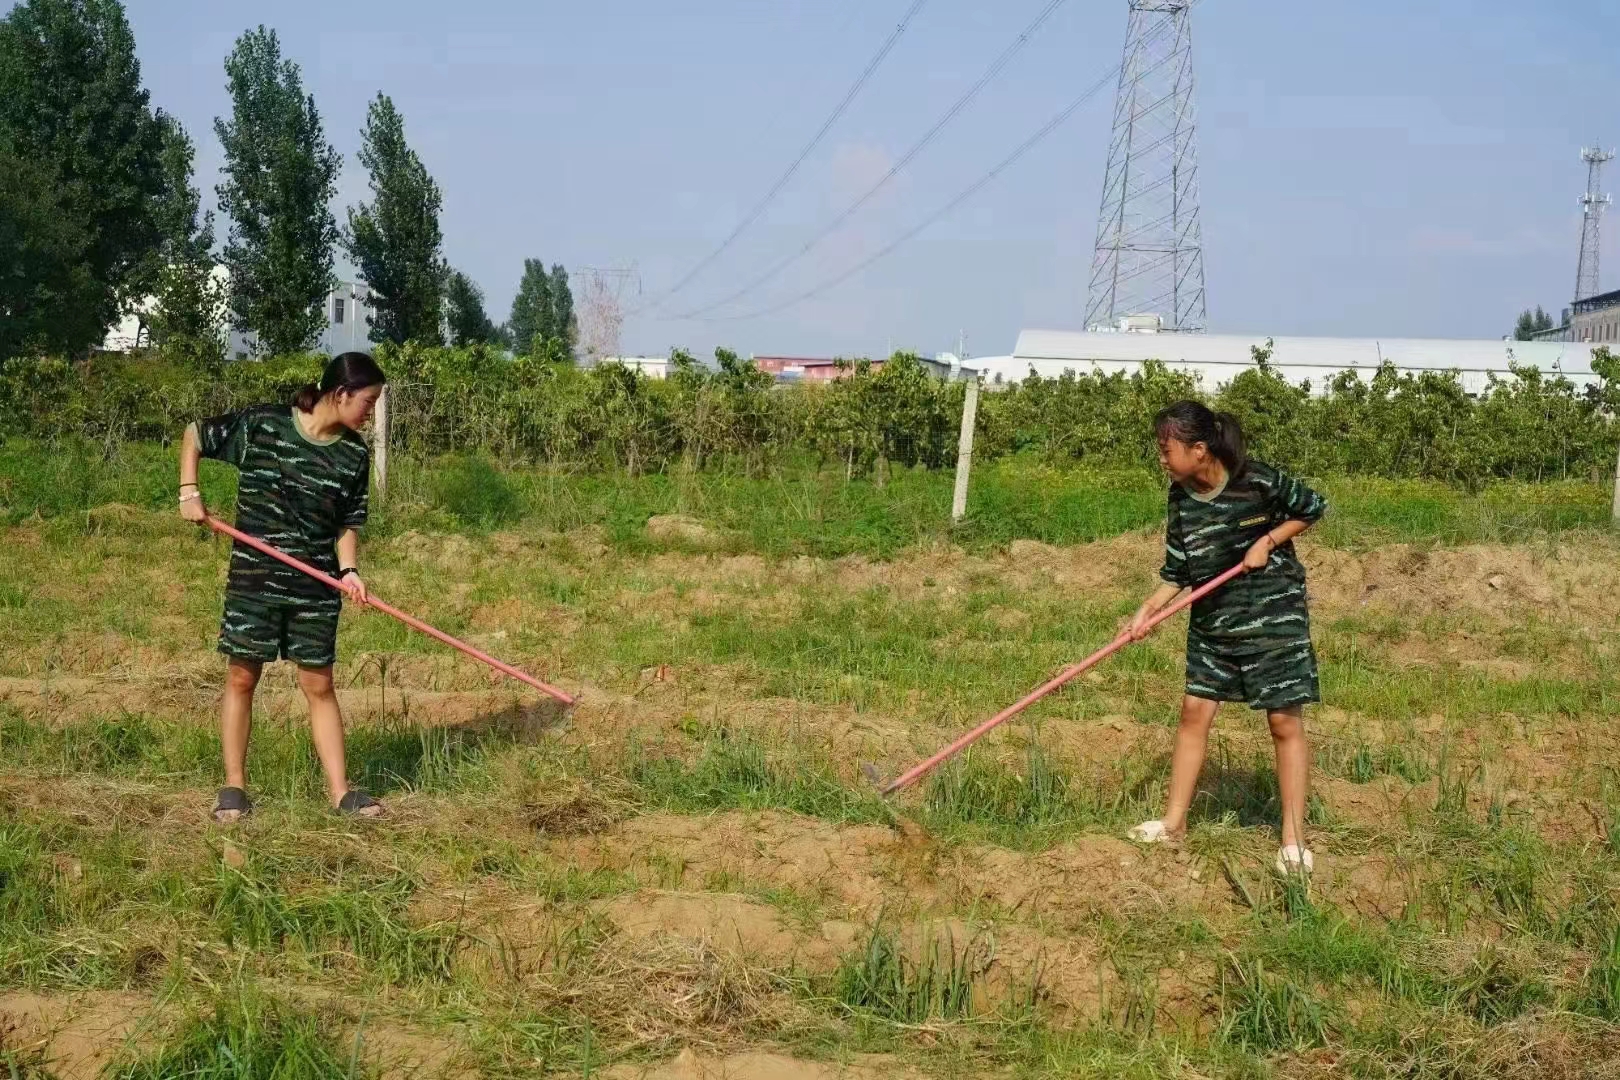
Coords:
346,571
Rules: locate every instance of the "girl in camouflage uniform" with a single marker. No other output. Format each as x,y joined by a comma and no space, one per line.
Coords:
1250,640
304,474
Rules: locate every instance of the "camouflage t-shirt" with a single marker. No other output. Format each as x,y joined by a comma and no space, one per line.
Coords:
1262,609
296,493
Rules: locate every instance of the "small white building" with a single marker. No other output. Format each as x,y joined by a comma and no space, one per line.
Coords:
1215,358
345,326
654,367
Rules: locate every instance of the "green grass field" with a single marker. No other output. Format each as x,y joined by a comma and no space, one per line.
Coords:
688,870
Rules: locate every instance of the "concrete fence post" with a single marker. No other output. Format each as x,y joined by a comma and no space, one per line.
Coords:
964,451
379,448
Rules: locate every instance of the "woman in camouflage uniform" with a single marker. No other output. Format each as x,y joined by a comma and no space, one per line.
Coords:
1250,640
304,476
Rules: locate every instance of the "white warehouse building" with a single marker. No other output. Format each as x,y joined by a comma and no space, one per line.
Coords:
1215,358
345,326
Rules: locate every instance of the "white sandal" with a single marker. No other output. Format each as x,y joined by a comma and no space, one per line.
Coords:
1294,859
1149,832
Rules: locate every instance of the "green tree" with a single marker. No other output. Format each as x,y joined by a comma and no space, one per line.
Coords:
190,300
563,323
280,176
464,304
532,312
47,293
72,108
1530,323
396,241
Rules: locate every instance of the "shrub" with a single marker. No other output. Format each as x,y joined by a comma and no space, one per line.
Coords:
540,408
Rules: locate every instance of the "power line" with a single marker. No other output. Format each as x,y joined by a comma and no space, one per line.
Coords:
833,226
782,181
972,189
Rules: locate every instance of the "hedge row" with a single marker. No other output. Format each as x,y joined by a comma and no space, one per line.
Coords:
730,416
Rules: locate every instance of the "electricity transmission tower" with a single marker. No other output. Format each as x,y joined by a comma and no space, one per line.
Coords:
1594,202
1149,259
601,309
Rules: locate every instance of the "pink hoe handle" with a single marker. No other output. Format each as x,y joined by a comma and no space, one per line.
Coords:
918,771
388,609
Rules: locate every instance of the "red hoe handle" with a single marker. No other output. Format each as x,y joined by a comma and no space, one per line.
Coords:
388,609
921,769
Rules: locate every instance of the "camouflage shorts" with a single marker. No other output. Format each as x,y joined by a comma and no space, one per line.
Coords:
1277,679
259,629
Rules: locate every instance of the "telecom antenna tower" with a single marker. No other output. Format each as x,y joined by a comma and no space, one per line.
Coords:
1594,203
1149,259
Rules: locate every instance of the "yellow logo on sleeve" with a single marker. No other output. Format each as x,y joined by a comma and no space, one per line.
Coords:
1261,520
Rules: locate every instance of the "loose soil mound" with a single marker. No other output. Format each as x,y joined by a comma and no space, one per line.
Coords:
757,932
682,530
74,1038
689,1065
845,862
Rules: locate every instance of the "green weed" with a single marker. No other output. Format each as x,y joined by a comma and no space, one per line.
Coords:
1600,996
475,493
882,980
734,772
1493,991
247,1038
1267,1012
1038,802
364,919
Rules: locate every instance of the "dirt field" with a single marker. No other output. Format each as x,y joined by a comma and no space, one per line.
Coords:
686,877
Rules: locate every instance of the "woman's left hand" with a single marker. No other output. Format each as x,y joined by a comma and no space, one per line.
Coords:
1259,554
355,587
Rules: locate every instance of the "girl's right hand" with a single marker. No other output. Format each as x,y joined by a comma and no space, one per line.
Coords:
194,510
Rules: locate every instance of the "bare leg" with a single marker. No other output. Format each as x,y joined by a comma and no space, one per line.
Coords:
235,724
1192,738
326,726
1293,770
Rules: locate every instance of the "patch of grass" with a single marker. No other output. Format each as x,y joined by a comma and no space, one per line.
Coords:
883,981
735,773
1325,948
800,509
979,791
1035,804
475,493
1366,763
29,904
248,1037
527,1043
1267,1012
1493,990
251,908
1600,996
385,757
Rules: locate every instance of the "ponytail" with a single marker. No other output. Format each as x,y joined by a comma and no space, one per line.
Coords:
1229,444
351,371
307,397
1194,422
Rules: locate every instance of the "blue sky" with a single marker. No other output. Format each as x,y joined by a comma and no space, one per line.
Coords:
1384,168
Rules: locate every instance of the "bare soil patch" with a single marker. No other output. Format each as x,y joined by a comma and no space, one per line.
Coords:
756,932
845,862
758,1065
74,1037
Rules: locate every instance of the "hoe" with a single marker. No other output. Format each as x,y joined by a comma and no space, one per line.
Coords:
388,609
923,768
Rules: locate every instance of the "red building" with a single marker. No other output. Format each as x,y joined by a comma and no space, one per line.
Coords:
810,369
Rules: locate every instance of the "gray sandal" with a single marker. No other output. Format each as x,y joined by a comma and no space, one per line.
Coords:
232,798
354,801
